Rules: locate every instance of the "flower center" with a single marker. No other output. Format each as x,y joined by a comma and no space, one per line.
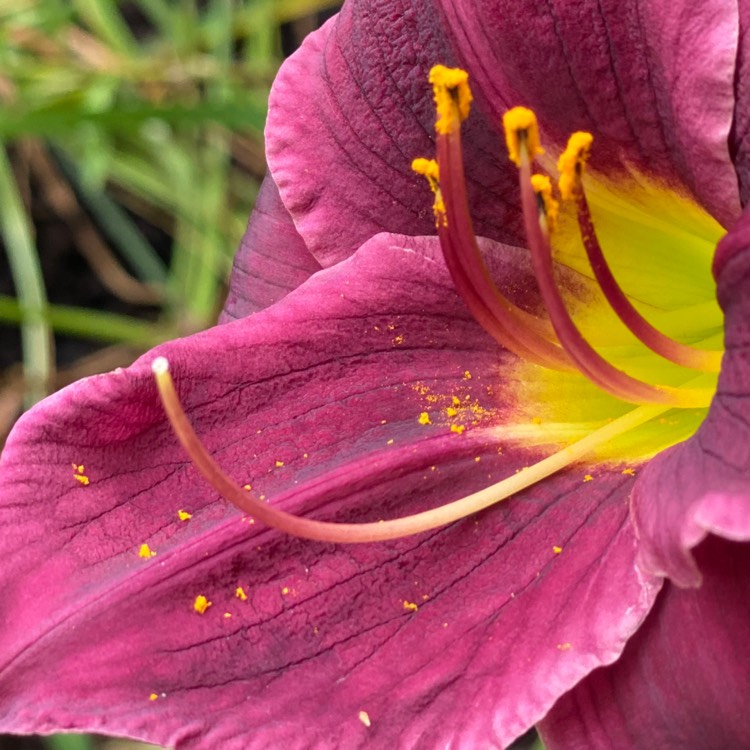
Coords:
557,345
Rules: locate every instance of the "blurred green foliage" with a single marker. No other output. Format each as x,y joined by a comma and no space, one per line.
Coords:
142,113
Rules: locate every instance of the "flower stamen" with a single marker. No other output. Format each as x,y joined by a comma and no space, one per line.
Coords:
571,166
603,374
515,329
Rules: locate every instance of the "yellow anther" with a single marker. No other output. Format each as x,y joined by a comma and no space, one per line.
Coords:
429,169
543,188
572,163
453,97
521,133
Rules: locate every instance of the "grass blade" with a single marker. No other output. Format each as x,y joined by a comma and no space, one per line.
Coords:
36,335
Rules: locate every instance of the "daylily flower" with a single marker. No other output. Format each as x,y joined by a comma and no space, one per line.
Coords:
604,598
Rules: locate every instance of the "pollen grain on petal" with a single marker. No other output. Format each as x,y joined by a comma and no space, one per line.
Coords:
410,606
424,418
453,97
201,604
146,552
239,592
521,134
183,515
556,549
364,717
79,474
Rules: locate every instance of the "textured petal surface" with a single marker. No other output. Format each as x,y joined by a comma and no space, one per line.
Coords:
272,258
652,81
462,636
702,486
740,140
684,678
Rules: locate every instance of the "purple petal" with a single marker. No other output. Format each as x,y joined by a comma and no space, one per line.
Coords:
349,111
702,486
652,81
683,679
740,137
271,260
501,624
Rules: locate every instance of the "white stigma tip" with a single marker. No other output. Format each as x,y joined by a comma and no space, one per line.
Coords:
160,365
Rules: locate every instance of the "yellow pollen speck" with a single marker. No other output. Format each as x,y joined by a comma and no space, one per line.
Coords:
239,592
304,455
564,646
629,472
451,411
390,442
247,487
201,604
82,478
587,478
450,87
549,206
410,606
477,458
467,375
145,552
227,615
399,339
278,464
557,550
456,401
458,428
364,717
153,697
424,418
521,132
183,515
285,590
572,163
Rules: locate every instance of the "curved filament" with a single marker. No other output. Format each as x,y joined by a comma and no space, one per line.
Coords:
603,374
380,530
653,338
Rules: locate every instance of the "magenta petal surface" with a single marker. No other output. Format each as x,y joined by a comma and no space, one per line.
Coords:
702,486
464,636
684,677
740,136
272,258
652,81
